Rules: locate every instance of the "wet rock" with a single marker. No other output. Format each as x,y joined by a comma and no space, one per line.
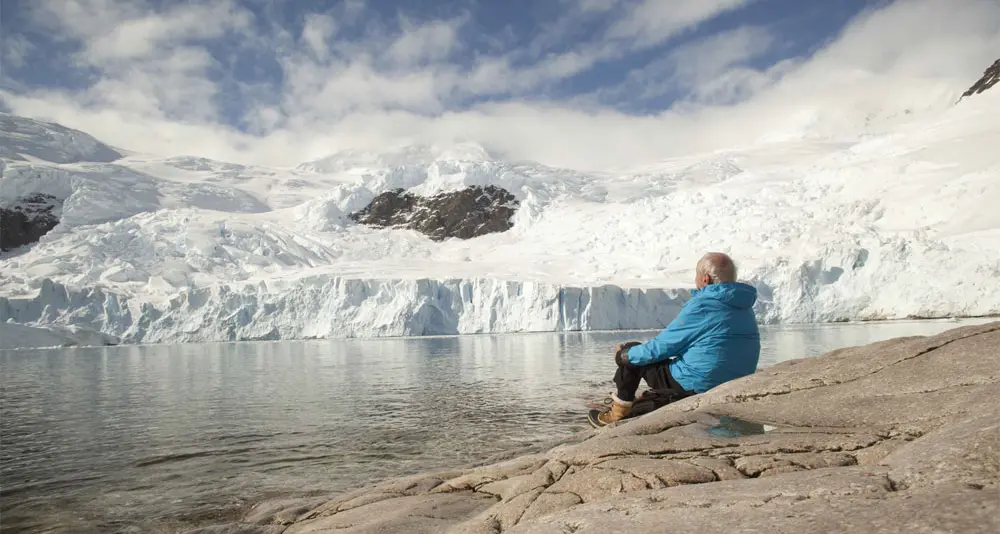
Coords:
27,219
280,511
409,514
897,436
468,213
486,474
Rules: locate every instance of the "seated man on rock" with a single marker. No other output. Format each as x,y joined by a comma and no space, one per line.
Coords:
713,340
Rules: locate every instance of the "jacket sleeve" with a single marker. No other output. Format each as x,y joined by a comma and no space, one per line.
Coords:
672,341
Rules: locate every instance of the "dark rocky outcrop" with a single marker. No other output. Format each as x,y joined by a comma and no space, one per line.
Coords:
27,220
990,78
471,212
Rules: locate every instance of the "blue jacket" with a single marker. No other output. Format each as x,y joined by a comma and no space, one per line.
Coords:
714,338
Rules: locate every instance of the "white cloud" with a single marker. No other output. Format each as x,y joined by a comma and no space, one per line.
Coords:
151,63
121,30
921,38
706,70
352,9
643,24
594,6
339,94
433,41
16,49
317,29
705,60
144,37
654,21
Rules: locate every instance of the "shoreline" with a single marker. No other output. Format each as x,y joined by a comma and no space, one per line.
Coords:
898,435
71,336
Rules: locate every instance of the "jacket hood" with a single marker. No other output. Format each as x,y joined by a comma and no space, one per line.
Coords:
736,294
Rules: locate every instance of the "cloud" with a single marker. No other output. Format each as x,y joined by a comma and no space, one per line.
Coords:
707,70
704,61
420,43
317,29
348,78
594,6
122,30
16,49
151,63
654,21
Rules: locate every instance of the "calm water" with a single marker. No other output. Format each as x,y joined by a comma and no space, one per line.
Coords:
161,438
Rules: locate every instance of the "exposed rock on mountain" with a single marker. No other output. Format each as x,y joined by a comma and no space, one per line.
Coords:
471,212
990,78
27,220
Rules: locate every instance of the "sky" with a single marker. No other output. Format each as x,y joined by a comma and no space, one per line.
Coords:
590,84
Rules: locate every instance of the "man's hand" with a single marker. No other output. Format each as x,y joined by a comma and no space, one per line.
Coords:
621,351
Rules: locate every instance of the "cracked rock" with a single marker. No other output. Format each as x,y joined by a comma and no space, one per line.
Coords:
897,436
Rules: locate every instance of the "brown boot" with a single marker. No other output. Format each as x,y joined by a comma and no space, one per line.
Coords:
619,410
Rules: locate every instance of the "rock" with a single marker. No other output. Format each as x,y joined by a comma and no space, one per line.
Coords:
468,213
662,472
549,503
990,78
238,528
280,511
852,502
897,436
26,220
409,514
753,466
721,467
965,451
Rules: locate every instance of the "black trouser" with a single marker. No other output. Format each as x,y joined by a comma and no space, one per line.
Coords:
657,376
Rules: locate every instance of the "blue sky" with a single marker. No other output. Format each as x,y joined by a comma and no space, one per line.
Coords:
276,82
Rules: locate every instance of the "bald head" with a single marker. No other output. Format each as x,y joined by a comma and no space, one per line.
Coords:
715,268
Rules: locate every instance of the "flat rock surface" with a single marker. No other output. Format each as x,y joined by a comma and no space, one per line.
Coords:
897,436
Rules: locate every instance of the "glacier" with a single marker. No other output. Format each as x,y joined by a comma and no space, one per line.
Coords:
323,306
874,225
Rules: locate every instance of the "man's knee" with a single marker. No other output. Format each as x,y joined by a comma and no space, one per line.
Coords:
621,356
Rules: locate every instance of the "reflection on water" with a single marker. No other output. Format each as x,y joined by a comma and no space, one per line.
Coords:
157,438
734,427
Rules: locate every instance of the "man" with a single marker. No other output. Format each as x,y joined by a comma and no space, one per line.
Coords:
713,340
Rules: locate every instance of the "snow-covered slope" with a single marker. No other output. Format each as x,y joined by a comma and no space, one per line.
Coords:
878,226
22,138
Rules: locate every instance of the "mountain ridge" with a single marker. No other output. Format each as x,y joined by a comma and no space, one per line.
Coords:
991,76
189,249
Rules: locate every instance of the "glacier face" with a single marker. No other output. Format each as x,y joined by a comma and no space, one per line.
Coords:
894,225
322,306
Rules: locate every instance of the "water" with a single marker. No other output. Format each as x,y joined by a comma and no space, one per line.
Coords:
162,438
734,427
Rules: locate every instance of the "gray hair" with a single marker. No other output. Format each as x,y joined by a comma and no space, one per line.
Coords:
718,266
